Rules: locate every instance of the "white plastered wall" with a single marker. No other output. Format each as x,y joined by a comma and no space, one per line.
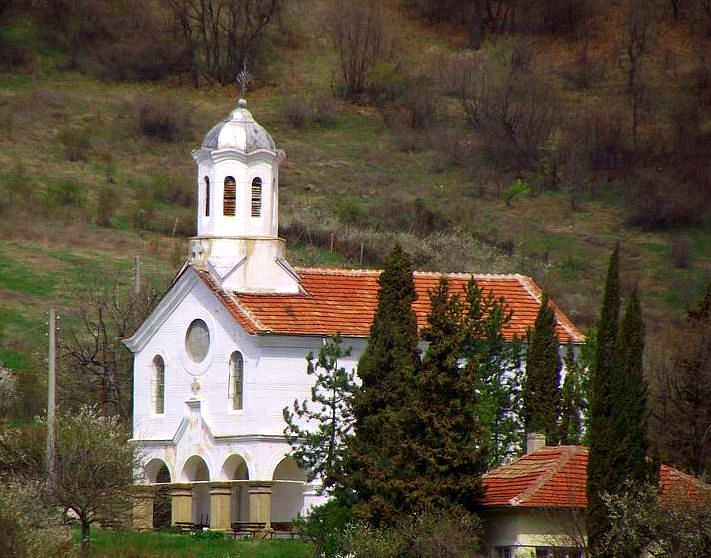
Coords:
201,421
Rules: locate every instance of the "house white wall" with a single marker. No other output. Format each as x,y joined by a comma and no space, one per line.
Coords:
525,529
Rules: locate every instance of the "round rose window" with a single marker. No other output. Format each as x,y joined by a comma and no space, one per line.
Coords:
197,341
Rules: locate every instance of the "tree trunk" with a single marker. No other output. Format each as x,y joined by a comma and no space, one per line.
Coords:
85,525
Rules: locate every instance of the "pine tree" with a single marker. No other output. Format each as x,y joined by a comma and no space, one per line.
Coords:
388,371
495,363
602,475
541,392
450,446
318,431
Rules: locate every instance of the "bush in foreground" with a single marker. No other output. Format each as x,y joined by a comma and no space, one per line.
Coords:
27,528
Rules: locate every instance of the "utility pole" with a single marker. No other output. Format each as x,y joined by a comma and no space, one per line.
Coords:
137,275
51,397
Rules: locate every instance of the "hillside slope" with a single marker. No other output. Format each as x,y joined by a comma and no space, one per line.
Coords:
72,154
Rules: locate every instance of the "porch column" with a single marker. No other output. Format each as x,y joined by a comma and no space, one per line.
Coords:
220,506
260,502
142,516
181,500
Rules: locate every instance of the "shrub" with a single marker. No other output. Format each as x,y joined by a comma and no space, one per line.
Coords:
150,55
584,70
28,529
170,190
433,534
64,193
76,142
296,111
516,188
301,112
385,83
656,205
602,133
106,206
681,253
350,211
325,110
327,526
164,119
15,57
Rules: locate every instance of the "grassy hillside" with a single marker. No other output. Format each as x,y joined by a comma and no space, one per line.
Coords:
72,154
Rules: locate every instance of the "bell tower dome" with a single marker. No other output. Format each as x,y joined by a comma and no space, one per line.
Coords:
238,207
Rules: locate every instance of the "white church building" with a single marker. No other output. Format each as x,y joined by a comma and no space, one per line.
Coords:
223,353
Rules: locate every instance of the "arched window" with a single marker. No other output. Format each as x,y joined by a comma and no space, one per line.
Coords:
158,385
207,197
229,200
236,380
256,197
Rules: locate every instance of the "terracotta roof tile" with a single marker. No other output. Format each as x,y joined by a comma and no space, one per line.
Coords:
344,301
557,477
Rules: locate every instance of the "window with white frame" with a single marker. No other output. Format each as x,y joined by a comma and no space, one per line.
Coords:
158,385
236,391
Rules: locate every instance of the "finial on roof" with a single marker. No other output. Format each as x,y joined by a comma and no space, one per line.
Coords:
242,103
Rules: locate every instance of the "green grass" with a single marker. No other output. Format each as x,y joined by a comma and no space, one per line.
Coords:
20,278
127,544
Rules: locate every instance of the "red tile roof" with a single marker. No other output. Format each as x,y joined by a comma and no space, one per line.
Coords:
344,301
557,477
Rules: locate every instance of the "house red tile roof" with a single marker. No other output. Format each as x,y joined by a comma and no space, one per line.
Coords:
557,477
344,301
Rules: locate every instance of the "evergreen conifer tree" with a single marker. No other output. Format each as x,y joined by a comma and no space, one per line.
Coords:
602,474
388,369
318,431
495,362
541,392
572,401
450,445
629,397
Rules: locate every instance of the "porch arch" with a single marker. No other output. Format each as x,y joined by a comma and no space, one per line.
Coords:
197,472
287,490
235,468
157,471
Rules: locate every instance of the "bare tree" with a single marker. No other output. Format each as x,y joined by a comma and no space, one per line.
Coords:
358,33
636,43
502,96
96,365
681,389
220,36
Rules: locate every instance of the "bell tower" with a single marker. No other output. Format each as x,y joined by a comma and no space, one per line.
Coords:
238,207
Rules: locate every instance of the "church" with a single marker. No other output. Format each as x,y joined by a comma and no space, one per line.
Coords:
223,353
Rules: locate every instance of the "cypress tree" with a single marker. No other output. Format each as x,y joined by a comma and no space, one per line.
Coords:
602,474
629,396
388,370
541,392
450,449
